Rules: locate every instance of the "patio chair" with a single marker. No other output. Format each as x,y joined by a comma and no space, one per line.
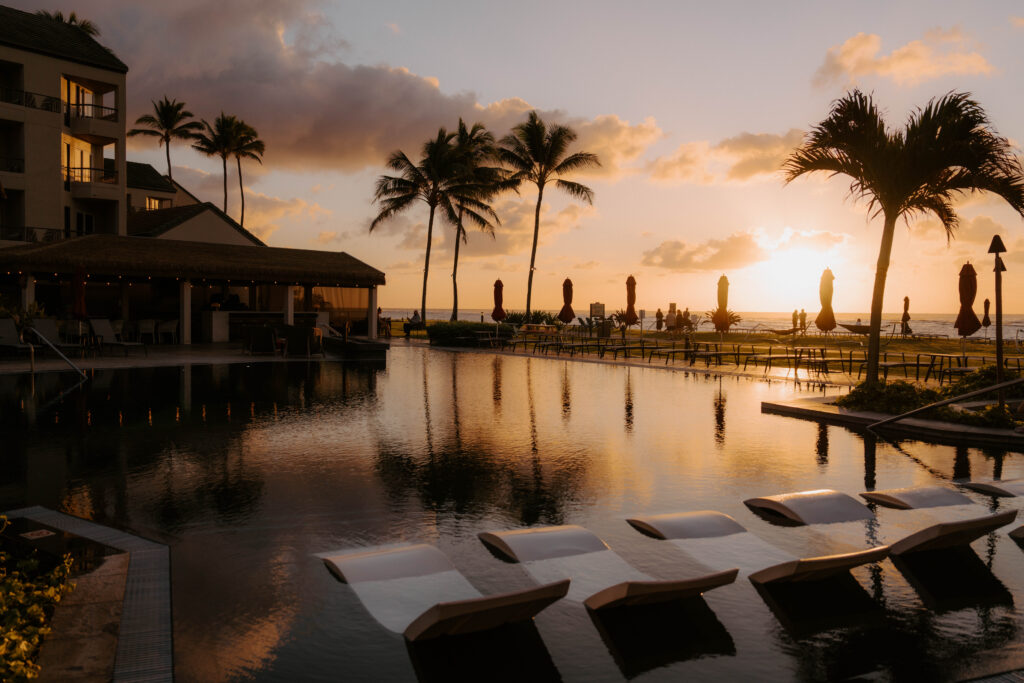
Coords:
10,338
716,539
104,336
827,506
167,328
415,590
303,341
600,577
47,328
147,327
260,339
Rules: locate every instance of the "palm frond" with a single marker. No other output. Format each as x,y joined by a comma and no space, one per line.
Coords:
576,190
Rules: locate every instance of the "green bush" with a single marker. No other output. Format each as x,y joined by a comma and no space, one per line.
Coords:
535,318
28,596
460,333
888,397
981,378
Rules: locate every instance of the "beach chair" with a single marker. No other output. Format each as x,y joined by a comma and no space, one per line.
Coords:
825,506
716,539
415,590
47,328
167,328
10,338
600,577
104,335
1004,487
147,327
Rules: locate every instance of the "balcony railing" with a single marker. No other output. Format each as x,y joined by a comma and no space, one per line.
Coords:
90,111
30,99
30,234
84,174
12,165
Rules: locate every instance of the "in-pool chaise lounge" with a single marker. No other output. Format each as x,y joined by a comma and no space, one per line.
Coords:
600,577
825,506
708,535
415,590
1004,487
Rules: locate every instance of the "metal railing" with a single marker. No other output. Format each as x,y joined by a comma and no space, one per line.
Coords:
85,174
30,99
82,110
955,399
53,348
12,165
31,234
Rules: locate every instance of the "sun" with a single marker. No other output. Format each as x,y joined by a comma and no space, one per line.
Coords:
791,277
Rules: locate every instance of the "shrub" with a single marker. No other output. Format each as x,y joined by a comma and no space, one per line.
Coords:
888,397
535,318
28,596
981,378
460,333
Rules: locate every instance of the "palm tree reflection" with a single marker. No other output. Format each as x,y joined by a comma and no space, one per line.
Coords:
629,402
719,406
822,444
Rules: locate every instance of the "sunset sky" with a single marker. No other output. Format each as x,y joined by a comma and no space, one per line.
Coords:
690,106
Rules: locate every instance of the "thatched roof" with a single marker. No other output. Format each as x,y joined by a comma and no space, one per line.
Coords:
156,222
38,34
141,257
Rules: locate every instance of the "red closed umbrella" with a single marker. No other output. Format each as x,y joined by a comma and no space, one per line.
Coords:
498,314
966,322
826,320
566,314
631,316
985,320
720,317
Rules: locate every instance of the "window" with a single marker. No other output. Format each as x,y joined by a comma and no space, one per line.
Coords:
153,203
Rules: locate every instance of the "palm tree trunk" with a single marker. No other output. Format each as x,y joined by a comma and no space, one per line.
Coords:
241,191
167,148
533,253
224,161
455,270
426,267
877,296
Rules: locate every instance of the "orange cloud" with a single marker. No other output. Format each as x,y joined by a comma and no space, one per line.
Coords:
736,159
940,53
738,250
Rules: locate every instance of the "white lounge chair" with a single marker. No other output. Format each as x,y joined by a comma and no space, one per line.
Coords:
601,578
105,336
711,536
828,506
1003,487
415,590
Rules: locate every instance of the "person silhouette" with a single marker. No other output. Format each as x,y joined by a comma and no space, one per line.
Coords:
803,321
796,317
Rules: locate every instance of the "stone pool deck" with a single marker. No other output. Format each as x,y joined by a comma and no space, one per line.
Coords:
822,409
116,623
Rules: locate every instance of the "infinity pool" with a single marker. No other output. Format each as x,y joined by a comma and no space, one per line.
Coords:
247,471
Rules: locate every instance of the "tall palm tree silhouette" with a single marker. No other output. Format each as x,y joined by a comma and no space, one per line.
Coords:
945,150
537,154
219,140
169,121
245,144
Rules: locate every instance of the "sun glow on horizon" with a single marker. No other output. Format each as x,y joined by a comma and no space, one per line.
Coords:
791,277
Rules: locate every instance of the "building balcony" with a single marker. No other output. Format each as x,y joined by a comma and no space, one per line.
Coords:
12,165
31,100
92,183
93,122
29,234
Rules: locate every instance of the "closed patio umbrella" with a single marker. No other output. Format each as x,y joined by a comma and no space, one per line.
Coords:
985,320
498,314
631,317
826,320
906,310
721,315
966,322
566,314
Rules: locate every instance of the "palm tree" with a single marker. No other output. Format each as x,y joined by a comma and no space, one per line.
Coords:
474,149
246,143
168,121
429,181
537,154
87,27
220,140
946,150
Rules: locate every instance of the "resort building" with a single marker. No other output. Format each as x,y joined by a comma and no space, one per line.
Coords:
84,232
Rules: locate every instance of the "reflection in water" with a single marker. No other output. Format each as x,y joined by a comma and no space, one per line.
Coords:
247,471
629,402
870,445
720,415
962,464
566,394
821,445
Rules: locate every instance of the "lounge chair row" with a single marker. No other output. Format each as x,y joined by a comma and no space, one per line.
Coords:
416,591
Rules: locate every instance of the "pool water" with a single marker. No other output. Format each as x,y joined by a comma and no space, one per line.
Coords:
248,471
